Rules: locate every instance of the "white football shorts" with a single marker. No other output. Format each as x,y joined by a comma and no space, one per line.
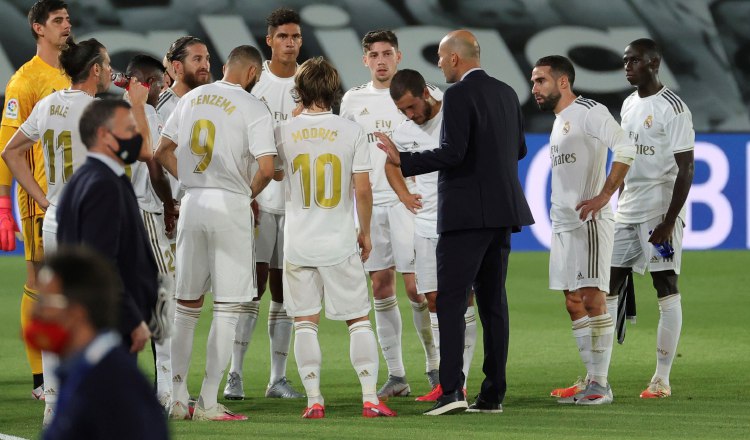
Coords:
343,287
392,235
632,248
582,257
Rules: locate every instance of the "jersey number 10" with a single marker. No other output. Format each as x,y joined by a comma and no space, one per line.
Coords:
324,197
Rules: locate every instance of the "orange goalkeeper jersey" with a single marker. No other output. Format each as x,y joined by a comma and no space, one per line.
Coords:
32,82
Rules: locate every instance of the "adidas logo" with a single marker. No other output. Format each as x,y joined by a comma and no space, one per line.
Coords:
364,373
177,379
281,353
654,259
364,112
580,276
310,376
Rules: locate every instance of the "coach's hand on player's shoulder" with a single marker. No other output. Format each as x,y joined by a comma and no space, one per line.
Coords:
662,232
591,206
413,202
387,145
137,93
365,246
139,336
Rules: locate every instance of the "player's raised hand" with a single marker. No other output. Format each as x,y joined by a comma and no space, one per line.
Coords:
8,227
365,246
591,206
137,92
387,145
413,202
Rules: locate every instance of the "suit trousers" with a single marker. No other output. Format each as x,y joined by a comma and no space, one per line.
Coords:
475,258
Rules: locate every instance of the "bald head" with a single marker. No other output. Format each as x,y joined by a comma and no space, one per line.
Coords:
464,43
458,53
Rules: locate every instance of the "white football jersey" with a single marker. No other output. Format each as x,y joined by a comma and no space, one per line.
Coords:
276,92
164,108
220,130
321,152
580,136
412,138
661,126
55,120
139,174
375,111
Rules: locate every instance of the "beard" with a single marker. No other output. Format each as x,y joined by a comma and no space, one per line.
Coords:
249,87
191,80
550,102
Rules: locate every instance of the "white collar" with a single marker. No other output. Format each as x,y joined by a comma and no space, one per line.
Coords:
113,164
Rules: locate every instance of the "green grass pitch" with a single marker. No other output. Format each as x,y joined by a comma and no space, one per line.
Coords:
710,377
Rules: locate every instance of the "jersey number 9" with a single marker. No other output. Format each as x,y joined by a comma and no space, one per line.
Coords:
202,143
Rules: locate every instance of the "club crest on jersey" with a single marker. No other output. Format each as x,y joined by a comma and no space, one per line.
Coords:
11,110
364,112
566,127
648,122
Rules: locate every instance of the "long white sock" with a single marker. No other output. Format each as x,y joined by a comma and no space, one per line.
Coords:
280,332
245,329
582,334
363,352
470,340
388,324
163,350
218,350
422,323
667,335
602,337
181,349
308,356
435,333
50,361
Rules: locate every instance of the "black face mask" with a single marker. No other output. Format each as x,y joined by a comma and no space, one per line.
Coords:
129,149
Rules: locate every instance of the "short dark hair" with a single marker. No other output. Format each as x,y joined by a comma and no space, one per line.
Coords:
282,16
178,50
77,58
648,46
559,65
317,82
245,52
144,63
379,36
90,280
39,12
98,113
407,80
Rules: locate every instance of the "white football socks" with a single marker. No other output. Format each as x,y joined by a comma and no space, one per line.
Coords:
667,335
435,332
308,357
582,335
602,338
363,352
470,340
218,350
181,349
424,330
245,329
388,323
280,332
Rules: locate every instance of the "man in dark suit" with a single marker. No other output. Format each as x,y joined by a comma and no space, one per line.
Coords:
103,394
98,208
480,202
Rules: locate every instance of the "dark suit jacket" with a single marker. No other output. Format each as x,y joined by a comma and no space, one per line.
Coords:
481,142
113,401
99,209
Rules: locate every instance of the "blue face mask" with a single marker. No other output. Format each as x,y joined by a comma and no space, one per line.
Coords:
128,149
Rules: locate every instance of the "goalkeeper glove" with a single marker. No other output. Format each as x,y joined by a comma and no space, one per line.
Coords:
8,226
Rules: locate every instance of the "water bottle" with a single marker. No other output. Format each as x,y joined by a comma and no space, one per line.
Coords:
665,249
120,79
